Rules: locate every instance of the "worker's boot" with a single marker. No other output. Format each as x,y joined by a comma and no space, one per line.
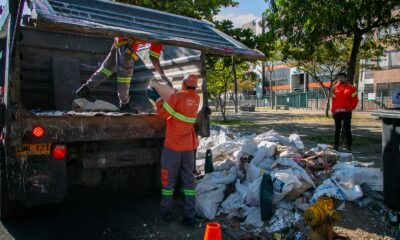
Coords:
168,217
84,92
188,221
126,108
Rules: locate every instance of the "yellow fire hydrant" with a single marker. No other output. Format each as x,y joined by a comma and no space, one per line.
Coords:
321,217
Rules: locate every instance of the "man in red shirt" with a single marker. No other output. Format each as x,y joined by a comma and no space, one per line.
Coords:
178,154
121,59
344,101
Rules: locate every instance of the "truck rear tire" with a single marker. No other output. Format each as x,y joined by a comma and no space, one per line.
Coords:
8,209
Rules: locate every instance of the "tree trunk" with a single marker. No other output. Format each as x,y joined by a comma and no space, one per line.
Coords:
357,38
236,85
327,93
217,102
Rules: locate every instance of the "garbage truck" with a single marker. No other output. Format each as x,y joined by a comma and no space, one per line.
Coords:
48,49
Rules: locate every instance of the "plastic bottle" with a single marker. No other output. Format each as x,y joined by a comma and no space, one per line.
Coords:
209,167
266,193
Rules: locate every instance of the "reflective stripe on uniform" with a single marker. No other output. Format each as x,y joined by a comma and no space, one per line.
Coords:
106,71
133,54
124,79
154,54
354,94
178,115
167,192
189,192
119,44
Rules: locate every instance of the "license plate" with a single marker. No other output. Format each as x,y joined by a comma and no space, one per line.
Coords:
34,149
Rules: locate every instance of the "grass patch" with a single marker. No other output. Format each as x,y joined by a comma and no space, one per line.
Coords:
232,122
357,140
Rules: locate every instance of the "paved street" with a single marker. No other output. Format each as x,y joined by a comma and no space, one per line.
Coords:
97,219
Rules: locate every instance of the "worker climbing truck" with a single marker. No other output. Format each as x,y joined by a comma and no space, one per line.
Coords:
50,142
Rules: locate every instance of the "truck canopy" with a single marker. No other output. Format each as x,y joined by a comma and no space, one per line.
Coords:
111,19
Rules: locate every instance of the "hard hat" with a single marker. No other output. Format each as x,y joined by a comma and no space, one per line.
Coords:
190,81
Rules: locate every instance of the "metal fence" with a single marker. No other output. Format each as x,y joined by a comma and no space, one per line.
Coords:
317,101
311,100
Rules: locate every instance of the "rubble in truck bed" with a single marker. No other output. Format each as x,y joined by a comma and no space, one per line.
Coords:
82,107
231,193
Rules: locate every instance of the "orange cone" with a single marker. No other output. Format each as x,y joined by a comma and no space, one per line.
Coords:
213,231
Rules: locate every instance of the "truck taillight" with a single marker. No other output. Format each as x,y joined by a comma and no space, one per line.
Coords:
59,152
38,131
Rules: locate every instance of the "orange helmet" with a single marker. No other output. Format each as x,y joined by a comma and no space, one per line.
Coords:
190,81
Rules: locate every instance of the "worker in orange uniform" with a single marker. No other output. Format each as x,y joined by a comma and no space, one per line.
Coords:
178,154
121,59
344,101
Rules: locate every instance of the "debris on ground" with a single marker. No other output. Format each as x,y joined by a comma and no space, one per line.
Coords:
299,176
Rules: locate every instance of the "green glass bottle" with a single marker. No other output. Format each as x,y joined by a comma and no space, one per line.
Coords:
266,193
209,167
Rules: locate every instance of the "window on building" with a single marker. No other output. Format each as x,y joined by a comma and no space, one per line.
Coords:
369,74
383,61
395,59
301,81
369,88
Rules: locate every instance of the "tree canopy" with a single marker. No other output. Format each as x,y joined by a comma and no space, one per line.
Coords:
200,9
306,24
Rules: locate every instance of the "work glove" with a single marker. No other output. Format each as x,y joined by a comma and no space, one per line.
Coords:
152,94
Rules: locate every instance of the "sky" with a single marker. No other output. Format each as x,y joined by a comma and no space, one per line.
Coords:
244,13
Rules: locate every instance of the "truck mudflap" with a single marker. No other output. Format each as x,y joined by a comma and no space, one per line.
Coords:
36,180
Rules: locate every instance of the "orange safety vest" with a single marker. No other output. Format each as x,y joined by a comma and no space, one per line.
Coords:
180,112
344,96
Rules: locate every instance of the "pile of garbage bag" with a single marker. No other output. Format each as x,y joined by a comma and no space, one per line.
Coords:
299,177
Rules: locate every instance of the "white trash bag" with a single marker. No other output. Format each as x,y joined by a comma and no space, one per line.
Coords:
283,183
208,199
331,188
221,177
253,217
253,194
348,175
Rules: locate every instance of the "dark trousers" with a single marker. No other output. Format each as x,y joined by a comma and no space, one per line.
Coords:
344,117
120,61
174,163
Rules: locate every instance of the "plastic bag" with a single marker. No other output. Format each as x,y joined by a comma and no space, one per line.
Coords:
283,183
232,202
221,177
264,149
348,175
253,194
331,188
253,173
249,145
163,90
208,199
297,141
224,165
253,217
266,163
297,169
225,148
